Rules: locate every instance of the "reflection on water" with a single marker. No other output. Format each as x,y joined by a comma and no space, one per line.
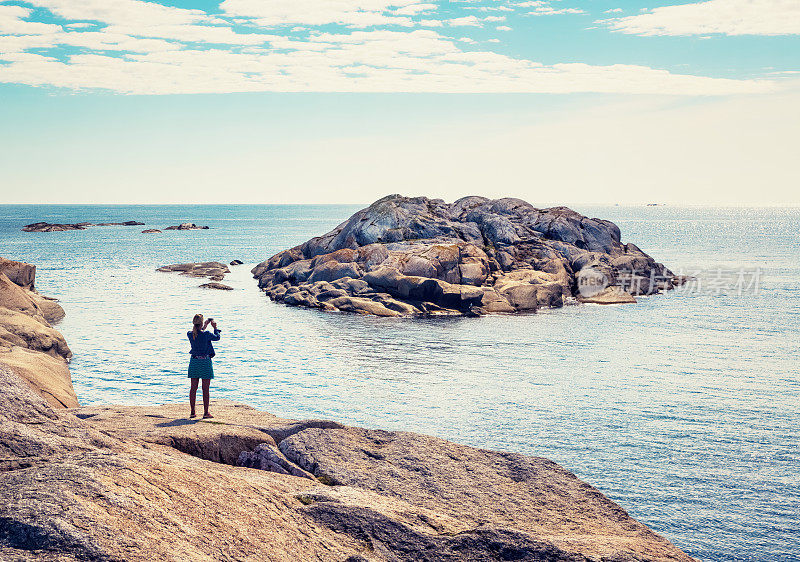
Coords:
683,408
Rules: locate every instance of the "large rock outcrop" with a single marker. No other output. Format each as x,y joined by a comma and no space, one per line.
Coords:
413,256
29,345
139,483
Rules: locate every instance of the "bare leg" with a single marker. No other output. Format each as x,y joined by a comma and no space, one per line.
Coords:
206,398
193,396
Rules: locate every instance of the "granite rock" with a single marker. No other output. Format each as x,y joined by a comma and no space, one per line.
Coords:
406,256
217,286
145,483
54,227
213,270
186,226
29,345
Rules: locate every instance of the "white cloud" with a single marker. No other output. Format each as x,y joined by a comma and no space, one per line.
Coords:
140,47
550,11
112,42
191,33
12,22
545,8
466,21
149,19
729,17
122,12
414,9
359,13
613,11
386,61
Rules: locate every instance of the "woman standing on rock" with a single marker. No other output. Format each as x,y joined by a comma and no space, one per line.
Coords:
200,366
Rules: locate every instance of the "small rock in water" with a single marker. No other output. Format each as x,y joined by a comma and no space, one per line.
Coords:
126,223
214,270
186,226
151,231
237,262
50,227
215,285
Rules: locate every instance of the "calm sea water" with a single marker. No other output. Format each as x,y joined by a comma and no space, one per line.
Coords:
684,408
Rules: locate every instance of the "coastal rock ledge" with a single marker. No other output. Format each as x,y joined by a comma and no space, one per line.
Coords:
136,483
405,256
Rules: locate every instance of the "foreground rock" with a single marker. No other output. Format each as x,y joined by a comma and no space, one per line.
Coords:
29,345
144,483
186,226
214,270
50,227
417,256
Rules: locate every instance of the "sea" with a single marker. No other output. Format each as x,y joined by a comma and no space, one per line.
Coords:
684,407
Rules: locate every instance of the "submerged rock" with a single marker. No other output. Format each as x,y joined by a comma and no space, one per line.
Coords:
405,256
186,226
214,270
218,286
151,231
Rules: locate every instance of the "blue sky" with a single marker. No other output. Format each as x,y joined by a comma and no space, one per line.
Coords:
347,100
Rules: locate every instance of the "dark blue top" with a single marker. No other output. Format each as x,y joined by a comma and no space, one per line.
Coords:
201,345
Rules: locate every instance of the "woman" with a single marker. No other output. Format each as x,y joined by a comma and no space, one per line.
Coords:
200,362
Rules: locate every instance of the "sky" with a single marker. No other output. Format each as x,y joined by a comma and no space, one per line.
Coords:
345,101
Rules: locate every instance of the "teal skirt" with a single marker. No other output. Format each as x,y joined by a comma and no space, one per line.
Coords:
200,368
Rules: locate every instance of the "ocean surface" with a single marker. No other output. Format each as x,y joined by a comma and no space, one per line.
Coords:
683,408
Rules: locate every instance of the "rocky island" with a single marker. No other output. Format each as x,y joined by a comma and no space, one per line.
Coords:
145,483
408,256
